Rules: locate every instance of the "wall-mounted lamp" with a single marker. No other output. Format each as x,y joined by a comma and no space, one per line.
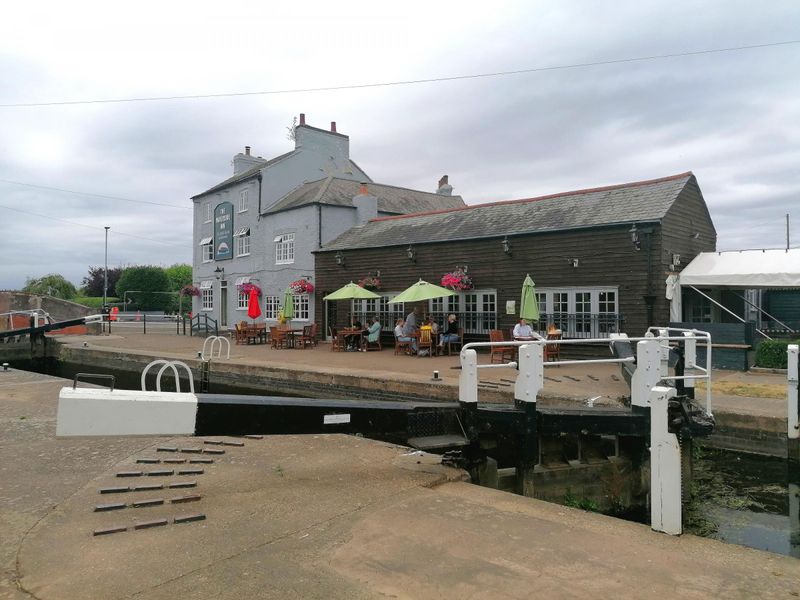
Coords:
219,272
575,262
637,244
339,259
411,253
506,245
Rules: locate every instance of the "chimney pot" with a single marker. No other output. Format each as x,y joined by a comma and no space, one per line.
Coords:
302,118
363,191
333,126
247,150
443,181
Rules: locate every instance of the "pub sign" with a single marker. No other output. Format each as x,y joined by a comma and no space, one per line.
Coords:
223,231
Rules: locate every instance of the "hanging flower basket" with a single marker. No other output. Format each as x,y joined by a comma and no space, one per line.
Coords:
190,290
246,288
301,286
370,282
457,280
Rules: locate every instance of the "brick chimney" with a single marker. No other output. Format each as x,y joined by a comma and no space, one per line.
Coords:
333,126
445,189
302,118
366,205
243,162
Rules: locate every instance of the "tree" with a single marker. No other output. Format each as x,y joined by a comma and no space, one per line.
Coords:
147,286
50,285
179,276
92,284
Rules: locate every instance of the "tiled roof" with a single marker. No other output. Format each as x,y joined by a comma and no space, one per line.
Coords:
638,201
251,172
335,191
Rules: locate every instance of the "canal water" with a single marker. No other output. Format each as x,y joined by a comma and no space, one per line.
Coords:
738,498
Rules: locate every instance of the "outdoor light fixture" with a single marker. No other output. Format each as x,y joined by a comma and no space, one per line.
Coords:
220,272
637,244
411,254
506,245
575,262
339,259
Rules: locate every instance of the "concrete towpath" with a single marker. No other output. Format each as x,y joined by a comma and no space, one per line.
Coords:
324,516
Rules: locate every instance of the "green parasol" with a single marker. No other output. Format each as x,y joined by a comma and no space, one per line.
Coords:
288,304
351,291
422,290
528,307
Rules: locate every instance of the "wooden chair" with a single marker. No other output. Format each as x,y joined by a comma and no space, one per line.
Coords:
337,341
459,343
502,352
240,330
307,337
552,351
425,340
366,345
404,347
278,338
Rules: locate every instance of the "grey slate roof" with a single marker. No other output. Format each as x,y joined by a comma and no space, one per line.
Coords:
252,171
639,201
335,191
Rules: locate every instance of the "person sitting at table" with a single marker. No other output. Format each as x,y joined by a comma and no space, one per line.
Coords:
371,334
523,331
410,325
399,333
449,332
426,326
351,340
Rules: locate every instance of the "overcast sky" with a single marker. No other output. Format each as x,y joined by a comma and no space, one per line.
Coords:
732,118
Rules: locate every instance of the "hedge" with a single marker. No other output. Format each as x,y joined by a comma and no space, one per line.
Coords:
92,301
771,354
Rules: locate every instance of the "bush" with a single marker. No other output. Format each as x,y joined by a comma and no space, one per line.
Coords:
93,302
771,354
147,288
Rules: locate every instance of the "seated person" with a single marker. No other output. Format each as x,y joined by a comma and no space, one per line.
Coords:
523,331
352,340
426,326
399,333
449,332
372,333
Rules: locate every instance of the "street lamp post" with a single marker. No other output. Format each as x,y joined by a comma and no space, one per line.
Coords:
105,272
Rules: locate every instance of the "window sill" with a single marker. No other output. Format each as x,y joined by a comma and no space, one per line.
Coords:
241,255
284,262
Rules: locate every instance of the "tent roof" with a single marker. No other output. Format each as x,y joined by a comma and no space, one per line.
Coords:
747,269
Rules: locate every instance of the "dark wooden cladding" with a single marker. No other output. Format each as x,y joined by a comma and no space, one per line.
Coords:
606,258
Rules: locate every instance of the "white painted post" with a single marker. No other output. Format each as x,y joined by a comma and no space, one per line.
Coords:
664,334
689,358
531,373
665,466
468,379
648,371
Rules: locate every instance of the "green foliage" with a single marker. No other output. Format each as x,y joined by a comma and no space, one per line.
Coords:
179,276
93,302
771,354
572,500
147,286
51,285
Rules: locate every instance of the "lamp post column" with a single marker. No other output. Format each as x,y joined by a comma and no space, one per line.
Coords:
105,272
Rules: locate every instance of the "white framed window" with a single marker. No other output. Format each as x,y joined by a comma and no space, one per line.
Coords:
300,307
242,241
207,295
242,300
579,312
379,307
272,305
243,201
209,212
207,249
284,249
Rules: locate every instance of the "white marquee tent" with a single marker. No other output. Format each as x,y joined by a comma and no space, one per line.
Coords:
743,269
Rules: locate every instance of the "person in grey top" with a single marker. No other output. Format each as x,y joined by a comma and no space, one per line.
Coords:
411,322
